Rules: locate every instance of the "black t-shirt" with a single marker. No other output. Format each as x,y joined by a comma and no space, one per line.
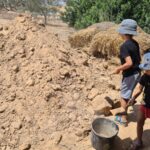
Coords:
145,82
130,48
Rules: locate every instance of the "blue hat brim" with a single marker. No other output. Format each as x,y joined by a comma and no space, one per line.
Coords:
144,67
125,31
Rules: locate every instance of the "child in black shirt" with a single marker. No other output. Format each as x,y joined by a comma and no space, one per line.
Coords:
144,111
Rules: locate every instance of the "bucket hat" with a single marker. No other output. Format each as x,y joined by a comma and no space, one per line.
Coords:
146,62
128,26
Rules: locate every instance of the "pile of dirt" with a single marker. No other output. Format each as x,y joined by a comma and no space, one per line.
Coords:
84,37
105,41
49,92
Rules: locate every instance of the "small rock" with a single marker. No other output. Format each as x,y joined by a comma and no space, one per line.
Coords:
11,97
65,72
25,146
21,36
71,105
56,87
17,125
15,68
79,133
2,45
56,34
34,29
105,66
76,96
73,117
111,86
1,28
93,93
49,79
48,95
22,20
41,23
30,82
21,51
82,133
6,28
101,106
90,85
57,139
32,49
117,88
3,108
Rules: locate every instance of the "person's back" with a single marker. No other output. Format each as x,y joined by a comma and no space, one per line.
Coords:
130,48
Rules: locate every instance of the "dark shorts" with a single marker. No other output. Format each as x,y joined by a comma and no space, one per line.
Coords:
145,111
128,84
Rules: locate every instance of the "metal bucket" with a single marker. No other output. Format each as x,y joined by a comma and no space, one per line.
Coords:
103,133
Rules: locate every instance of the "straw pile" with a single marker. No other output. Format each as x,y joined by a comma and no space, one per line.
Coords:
84,37
107,43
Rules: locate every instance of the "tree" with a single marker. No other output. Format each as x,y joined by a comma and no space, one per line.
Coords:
12,4
40,6
82,13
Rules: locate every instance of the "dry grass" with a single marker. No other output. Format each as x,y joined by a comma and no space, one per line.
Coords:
84,37
107,43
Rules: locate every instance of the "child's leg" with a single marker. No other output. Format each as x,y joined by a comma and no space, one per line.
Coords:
140,124
124,105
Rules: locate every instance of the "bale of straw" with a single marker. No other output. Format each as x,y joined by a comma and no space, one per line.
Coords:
107,43
84,37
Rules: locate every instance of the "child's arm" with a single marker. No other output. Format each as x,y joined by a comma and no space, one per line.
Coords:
138,91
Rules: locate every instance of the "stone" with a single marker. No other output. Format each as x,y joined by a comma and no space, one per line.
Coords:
90,85
15,68
41,23
2,45
11,97
3,108
56,87
48,95
21,36
65,72
105,66
76,96
71,105
6,28
57,139
30,82
1,28
111,86
83,132
32,49
93,93
17,125
25,146
101,106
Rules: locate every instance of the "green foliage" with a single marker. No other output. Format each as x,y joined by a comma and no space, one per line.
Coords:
82,13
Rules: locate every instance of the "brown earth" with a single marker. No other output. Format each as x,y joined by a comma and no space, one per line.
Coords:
50,93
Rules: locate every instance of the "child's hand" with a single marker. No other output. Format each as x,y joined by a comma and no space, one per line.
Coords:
131,102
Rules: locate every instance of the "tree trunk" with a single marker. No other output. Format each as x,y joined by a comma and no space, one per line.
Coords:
45,19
